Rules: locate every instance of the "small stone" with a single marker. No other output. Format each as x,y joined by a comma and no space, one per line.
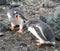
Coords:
2,48
23,44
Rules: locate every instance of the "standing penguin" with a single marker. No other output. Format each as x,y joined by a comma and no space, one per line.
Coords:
41,31
16,17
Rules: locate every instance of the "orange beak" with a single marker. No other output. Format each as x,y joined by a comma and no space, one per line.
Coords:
17,17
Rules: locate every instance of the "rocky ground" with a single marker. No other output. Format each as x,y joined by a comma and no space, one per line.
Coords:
13,41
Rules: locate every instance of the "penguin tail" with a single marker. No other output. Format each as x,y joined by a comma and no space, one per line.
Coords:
48,42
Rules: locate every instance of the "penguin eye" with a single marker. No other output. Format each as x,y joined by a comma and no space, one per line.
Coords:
24,21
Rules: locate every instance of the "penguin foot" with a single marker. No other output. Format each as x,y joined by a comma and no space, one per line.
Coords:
20,31
12,27
38,43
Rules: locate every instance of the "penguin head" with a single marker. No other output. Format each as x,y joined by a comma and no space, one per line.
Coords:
16,13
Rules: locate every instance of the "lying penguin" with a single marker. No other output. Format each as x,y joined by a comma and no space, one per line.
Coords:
42,32
16,17
39,29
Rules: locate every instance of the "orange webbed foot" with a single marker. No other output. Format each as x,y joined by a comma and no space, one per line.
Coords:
20,31
12,27
38,42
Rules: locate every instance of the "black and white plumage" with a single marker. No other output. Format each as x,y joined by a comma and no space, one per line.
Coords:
38,28
41,31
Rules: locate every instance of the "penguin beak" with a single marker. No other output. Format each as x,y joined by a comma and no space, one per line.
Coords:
17,17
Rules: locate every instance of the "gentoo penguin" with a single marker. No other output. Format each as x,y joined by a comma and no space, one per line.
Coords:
41,31
16,17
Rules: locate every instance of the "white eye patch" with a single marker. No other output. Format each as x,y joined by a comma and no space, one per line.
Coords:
15,11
